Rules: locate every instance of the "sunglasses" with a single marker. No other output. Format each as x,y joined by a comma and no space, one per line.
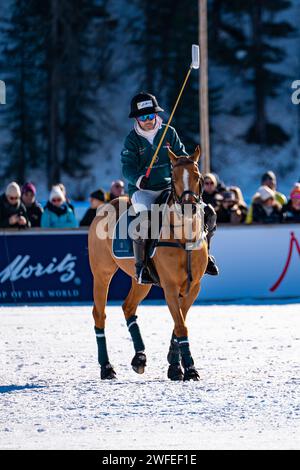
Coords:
13,198
146,117
209,183
56,200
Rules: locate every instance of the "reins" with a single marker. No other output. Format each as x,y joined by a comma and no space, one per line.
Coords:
176,244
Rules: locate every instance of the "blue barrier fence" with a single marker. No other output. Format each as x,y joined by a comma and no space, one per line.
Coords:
39,266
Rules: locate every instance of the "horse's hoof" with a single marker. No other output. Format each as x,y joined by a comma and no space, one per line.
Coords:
139,363
175,372
190,373
107,372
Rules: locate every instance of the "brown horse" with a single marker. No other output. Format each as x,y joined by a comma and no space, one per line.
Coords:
179,269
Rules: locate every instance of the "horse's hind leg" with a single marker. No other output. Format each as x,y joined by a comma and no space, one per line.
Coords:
136,294
101,285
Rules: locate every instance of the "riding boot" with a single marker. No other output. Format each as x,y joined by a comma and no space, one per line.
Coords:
141,274
211,225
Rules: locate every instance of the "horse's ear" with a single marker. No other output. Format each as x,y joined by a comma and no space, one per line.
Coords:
196,155
172,156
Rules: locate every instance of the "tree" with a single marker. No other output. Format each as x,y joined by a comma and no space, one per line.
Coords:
21,147
245,43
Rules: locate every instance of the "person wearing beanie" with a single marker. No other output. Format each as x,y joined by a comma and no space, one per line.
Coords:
136,156
210,190
265,208
68,202
12,211
33,208
117,189
291,210
57,213
268,179
97,198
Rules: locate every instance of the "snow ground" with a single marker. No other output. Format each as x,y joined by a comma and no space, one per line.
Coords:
51,396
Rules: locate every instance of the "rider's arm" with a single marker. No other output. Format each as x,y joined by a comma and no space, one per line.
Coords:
130,162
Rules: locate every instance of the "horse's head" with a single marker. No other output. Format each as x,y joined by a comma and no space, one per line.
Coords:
187,181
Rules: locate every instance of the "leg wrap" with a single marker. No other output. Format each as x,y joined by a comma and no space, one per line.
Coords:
184,347
134,330
101,343
174,351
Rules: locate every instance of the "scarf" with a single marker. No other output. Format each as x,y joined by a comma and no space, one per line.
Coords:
61,210
149,135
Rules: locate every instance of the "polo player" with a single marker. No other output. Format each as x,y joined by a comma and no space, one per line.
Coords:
139,147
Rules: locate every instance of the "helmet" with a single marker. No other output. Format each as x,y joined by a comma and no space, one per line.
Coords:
144,103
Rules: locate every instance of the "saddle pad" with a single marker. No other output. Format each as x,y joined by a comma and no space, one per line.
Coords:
123,247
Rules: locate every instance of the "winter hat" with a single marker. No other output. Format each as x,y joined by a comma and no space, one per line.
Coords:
265,193
13,189
98,194
229,196
269,175
212,177
56,192
144,103
295,193
28,187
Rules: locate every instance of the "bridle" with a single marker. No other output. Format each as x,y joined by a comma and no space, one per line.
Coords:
179,199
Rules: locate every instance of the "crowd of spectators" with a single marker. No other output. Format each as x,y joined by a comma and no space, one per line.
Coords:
20,209
268,205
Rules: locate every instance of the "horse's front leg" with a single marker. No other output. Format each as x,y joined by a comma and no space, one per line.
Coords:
181,332
136,294
175,371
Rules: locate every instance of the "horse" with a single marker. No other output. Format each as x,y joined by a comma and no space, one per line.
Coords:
180,272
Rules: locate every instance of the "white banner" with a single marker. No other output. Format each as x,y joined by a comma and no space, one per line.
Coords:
256,262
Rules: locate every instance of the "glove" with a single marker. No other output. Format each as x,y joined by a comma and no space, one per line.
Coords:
143,183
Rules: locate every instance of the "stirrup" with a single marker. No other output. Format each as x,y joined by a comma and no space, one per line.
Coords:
142,276
212,268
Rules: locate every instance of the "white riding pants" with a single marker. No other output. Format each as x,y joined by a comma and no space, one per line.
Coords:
142,199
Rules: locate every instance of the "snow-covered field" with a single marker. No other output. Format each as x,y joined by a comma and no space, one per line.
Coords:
51,396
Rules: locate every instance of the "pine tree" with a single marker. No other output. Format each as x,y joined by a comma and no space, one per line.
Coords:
22,144
164,39
244,41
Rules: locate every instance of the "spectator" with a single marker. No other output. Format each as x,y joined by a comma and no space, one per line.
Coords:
291,210
239,197
230,211
33,208
57,213
265,208
12,211
97,198
68,202
268,179
117,189
210,191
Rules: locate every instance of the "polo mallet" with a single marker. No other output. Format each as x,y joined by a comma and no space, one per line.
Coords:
194,65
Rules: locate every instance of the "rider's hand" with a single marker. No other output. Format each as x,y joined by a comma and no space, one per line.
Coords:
22,220
143,183
13,219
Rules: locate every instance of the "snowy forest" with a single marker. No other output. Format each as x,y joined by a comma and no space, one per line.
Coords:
71,67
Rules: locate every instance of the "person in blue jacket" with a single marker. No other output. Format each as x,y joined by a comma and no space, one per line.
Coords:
57,213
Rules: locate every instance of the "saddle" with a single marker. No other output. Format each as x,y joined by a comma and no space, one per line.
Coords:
122,246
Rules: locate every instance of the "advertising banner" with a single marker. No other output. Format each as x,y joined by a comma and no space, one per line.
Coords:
256,262
51,267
